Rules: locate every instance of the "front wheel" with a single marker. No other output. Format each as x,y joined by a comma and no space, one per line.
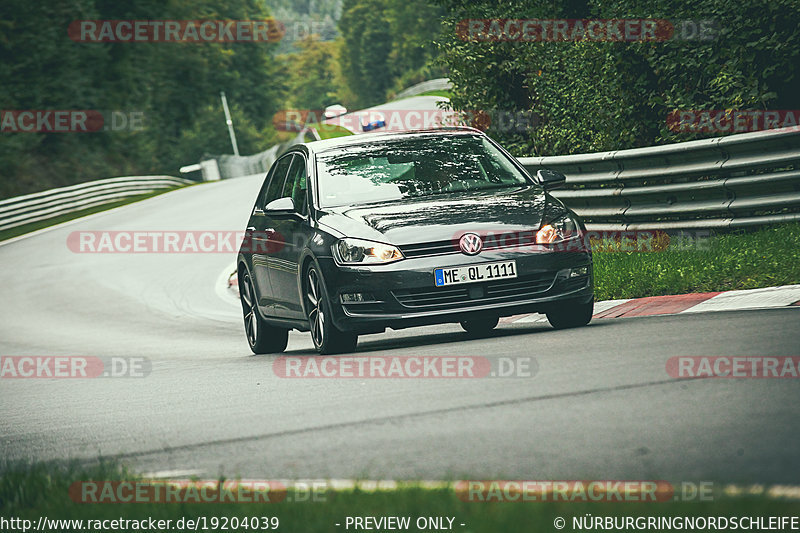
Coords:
328,339
261,337
570,315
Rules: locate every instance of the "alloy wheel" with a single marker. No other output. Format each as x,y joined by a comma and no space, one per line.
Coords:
316,314
249,307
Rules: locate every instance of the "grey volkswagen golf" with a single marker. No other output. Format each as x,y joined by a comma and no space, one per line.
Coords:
352,235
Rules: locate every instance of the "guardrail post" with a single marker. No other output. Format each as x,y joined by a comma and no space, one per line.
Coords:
210,170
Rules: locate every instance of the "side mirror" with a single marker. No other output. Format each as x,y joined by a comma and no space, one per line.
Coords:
550,179
281,206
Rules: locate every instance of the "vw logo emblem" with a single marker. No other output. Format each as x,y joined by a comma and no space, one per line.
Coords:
470,244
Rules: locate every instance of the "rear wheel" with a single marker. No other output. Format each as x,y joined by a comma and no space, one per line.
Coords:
570,315
328,339
481,326
262,337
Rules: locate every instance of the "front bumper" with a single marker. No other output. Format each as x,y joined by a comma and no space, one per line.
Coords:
403,294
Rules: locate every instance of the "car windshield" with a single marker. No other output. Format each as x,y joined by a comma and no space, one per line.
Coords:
412,167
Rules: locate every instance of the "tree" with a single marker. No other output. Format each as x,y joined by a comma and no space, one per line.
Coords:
174,85
384,41
311,82
594,96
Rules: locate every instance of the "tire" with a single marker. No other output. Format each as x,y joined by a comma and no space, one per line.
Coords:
570,315
327,338
480,326
262,337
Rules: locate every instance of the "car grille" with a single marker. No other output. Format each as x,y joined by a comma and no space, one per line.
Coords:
490,242
476,293
429,248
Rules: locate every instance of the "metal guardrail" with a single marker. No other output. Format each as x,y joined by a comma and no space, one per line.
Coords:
728,182
40,206
741,180
236,166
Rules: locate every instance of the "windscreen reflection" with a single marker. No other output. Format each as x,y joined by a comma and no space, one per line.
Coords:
384,171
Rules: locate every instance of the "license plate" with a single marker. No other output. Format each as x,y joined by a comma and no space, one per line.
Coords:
474,273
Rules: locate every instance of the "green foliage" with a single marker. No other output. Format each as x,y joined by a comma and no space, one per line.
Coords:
385,45
591,96
595,96
303,18
311,83
175,86
298,8
209,136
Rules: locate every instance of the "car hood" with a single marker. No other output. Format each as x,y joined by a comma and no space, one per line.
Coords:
445,216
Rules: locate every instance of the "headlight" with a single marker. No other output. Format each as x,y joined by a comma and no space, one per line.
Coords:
559,230
360,252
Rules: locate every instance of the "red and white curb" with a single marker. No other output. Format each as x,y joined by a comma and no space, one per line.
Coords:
227,285
233,283
700,302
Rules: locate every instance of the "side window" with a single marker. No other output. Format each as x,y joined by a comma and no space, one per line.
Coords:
295,186
262,193
275,186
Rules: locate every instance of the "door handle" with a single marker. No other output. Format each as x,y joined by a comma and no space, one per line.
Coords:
263,233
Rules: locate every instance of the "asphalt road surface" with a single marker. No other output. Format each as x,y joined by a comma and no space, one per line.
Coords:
601,405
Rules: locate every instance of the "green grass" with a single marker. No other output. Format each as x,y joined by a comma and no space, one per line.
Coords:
751,260
31,491
33,226
329,131
440,92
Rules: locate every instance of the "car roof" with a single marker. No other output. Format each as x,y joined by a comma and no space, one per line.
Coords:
366,138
